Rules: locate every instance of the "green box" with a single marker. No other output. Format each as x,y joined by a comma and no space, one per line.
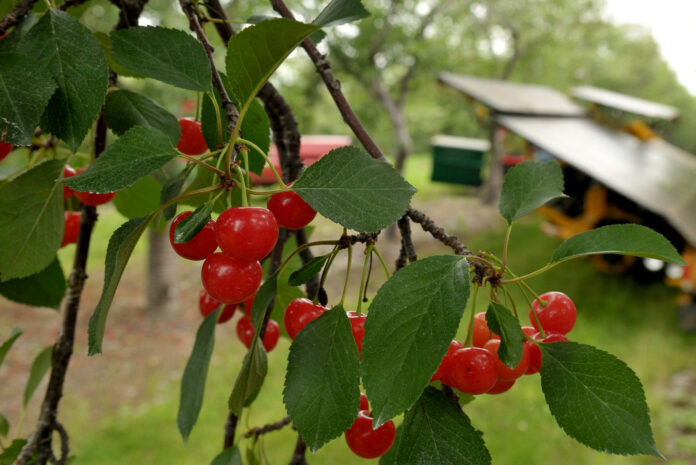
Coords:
458,160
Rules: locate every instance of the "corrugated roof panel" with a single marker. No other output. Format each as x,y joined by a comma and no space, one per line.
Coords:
625,102
653,173
512,97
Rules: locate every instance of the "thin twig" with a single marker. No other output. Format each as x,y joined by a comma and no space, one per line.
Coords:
64,444
71,3
18,12
408,250
437,232
258,431
298,456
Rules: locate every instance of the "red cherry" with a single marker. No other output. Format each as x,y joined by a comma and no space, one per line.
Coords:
93,199
246,233
228,280
473,370
559,314
554,338
501,386
367,442
5,149
535,352
291,211
504,372
481,332
248,304
191,141
208,305
298,313
199,246
245,332
68,171
364,404
444,370
72,228
357,325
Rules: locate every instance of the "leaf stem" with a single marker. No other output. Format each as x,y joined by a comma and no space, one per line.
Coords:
215,170
470,331
481,260
505,248
381,260
265,157
268,192
347,281
541,270
242,184
198,106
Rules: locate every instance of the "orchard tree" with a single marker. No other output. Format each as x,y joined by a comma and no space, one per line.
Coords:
59,84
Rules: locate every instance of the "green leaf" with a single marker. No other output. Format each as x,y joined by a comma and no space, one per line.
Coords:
171,190
140,199
7,345
134,155
39,368
322,393
250,377
31,214
255,126
528,186
307,271
411,322
24,93
11,41
229,456
264,297
43,289
256,52
502,322
125,109
596,399
12,452
195,374
69,51
105,42
121,245
624,239
341,12
192,224
436,432
4,426
354,190
168,55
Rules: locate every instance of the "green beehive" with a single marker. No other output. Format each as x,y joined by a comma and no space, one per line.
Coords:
458,160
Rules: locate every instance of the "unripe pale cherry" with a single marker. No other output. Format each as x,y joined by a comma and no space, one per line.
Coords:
191,141
291,211
367,442
207,305
228,280
245,332
199,246
557,316
246,233
298,313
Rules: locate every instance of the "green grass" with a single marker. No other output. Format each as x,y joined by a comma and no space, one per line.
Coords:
636,323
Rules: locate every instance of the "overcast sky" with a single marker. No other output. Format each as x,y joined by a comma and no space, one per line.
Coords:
673,25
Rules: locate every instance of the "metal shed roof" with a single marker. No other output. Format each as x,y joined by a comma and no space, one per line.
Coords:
625,102
443,140
512,97
653,173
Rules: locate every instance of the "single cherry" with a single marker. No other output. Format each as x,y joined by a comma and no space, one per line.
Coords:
5,149
91,198
444,369
246,234
473,370
504,372
481,332
68,171
367,442
208,305
357,325
558,316
228,280
248,304
364,404
72,228
245,332
535,352
291,211
501,386
191,141
298,313
199,246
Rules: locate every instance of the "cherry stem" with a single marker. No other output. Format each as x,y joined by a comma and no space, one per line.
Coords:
217,171
245,158
205,190
470,331
368,254
481,260
541,270
505,248
265,157
347,281
381,260
198,106
218,116
300,249
325,272
268,192
242,184
512,302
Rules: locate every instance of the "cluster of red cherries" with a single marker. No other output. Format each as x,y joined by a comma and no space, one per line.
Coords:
478,370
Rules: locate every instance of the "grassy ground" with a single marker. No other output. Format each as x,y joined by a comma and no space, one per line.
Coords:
122,408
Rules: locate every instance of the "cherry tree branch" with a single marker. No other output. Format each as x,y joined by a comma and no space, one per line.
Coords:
259,430
408,250
437,232
18,12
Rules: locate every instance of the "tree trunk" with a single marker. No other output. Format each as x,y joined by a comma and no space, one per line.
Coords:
495,174
161,274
